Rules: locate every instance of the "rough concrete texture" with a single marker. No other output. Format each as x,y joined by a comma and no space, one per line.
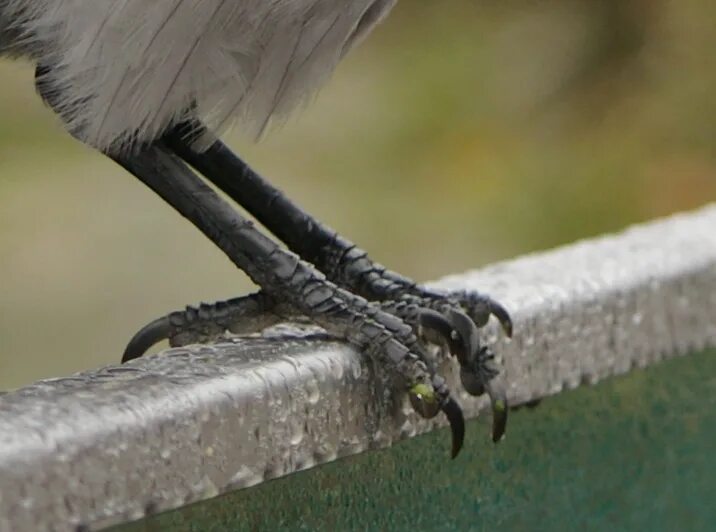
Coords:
108,446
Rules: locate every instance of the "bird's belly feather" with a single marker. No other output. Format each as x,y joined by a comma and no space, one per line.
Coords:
128,68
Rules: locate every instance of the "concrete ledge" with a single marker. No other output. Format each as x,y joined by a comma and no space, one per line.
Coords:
109,446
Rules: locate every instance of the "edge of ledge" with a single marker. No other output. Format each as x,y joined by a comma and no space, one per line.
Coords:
113,445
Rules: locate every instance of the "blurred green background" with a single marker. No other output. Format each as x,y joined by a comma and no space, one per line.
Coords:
460,133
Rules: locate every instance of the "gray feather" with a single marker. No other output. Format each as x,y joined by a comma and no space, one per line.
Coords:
128,69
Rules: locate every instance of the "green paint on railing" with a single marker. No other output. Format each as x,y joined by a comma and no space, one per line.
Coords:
636,452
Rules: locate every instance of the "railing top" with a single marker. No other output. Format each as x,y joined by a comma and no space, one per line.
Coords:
112,445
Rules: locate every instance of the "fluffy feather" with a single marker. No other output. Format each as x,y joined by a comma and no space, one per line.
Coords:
127,69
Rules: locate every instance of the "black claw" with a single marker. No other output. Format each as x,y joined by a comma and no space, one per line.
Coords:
498,399
438,323
469,336
453,412
503,317
458,330
146,337
476,366
432,319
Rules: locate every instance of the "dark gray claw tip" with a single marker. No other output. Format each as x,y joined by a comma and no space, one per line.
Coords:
454,414
503,317
499,423
467,333
152,333
433,320
500,408
458,330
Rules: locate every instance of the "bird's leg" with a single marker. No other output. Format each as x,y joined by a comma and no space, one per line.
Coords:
440,316
339,259
283,275
347,266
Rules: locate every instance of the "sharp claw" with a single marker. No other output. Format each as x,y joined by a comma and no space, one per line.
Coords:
146,337
453,412
458,330
438,323
503,317
498,399
432,319
467,330
482,307
476,372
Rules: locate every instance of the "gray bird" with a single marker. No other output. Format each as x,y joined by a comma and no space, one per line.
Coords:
151,84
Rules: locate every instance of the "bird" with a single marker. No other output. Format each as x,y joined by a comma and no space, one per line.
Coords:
152,85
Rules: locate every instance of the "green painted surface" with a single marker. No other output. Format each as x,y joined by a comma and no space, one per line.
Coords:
632,453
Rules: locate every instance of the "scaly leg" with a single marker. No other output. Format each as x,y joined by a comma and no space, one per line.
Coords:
283,275
340,260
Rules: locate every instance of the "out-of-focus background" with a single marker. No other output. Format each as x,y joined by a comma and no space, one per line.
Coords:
460,133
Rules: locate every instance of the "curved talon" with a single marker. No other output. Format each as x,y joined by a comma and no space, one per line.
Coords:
428,400
432,319
436,322
469,335
476,368
458,330
152,333
498,400
478,371
503,317
453,412
482,307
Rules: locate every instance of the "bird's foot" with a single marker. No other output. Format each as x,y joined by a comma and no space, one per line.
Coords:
458,316
448,320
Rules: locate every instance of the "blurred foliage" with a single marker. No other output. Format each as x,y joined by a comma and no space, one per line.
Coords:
461,133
